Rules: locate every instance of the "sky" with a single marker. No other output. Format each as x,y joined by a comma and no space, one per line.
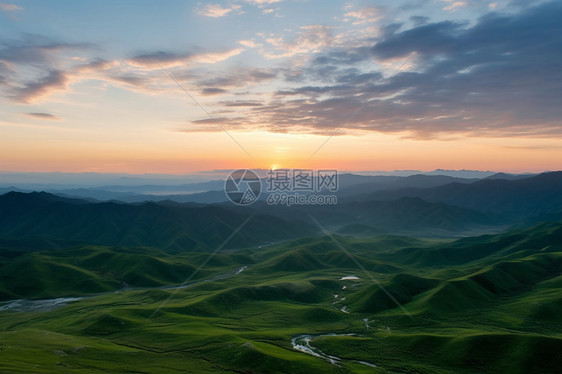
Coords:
184,86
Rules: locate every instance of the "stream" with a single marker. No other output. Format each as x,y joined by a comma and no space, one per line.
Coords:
45,305
303,343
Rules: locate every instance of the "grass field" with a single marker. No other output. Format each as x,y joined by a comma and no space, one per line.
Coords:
485,304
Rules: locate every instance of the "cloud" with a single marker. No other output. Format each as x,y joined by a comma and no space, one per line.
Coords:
455,5
500,76
214,57
29,92
152,59
210,121
209,91
419,20
311,39
365,15
216,10
239,78
249,43
10,7
140,78
344,56
239,103
170,59
47,116
263,2
264,6
36,49
34,67
217,124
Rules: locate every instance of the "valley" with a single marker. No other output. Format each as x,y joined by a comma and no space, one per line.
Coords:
479,304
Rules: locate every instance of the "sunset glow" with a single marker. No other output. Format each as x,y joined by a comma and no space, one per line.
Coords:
274,84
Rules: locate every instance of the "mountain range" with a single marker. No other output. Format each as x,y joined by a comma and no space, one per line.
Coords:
414,274
449,209
171,227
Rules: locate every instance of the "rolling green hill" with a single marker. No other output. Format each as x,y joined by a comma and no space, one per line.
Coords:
87,270
481,304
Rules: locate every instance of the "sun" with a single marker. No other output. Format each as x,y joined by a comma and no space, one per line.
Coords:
274,167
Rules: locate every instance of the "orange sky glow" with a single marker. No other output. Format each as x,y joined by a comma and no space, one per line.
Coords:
266,84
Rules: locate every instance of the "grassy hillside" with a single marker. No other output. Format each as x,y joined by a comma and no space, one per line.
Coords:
483,304
86,270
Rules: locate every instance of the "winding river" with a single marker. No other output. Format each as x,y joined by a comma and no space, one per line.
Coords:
300,343
303,343
44,305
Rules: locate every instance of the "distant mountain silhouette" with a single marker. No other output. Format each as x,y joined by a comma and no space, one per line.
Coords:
510,176
171,227
403,215
380,183
528,199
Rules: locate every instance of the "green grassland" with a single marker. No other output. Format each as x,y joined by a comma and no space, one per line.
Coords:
488,304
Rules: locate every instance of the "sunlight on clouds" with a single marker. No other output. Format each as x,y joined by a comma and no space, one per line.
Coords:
152,60
211,58
455,5
365,15
216,10
249,43
310,39
417,92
